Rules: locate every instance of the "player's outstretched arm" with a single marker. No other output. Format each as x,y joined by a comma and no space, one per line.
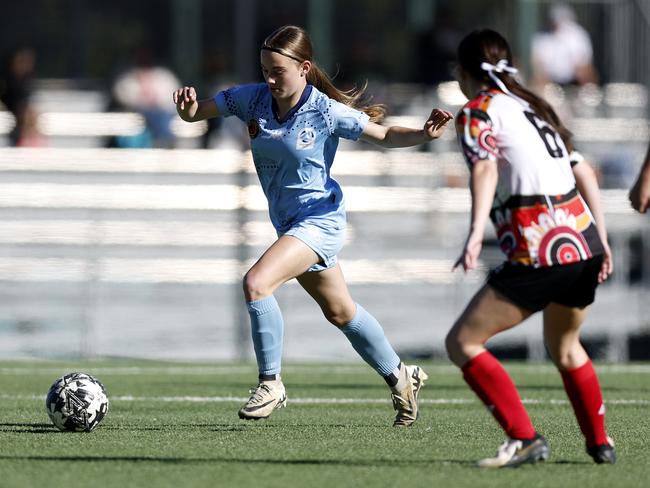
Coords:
190,109
640,192
396,136
587,185
483,184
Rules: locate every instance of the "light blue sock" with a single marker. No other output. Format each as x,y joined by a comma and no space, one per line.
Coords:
267,330
368,339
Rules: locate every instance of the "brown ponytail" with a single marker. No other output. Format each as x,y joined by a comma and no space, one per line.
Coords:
294,42
489,46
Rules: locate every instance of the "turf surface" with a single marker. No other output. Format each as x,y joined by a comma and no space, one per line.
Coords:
174,424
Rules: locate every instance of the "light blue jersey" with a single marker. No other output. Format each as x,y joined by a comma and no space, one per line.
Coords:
293,156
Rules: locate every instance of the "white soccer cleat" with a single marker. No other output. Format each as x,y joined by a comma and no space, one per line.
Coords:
515,452
266,397
405,401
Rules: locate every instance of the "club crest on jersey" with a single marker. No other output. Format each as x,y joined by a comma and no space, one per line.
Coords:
306,138
253,128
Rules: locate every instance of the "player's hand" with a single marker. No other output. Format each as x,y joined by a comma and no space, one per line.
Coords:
607,268
640,193
468,259
435,125
186,103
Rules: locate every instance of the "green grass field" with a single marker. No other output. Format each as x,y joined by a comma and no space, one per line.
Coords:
173,424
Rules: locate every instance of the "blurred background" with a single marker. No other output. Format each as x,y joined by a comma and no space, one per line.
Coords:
125,231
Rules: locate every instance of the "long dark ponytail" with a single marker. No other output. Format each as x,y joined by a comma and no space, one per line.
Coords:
294,42
488,46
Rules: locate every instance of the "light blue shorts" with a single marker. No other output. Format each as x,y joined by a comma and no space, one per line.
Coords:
323,237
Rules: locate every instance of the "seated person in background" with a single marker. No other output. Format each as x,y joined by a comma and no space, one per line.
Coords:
564,54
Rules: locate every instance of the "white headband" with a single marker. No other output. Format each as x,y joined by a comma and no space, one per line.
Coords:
500,67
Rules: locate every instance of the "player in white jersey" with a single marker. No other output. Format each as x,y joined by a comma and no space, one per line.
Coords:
295,119
544,203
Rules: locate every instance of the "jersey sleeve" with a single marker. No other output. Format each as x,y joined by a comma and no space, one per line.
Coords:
235,101
476,135
346,122
575,157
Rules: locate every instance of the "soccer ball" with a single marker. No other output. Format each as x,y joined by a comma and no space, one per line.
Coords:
77,402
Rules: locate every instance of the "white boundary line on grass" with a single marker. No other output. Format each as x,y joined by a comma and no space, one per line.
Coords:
238,368
130,370
320,401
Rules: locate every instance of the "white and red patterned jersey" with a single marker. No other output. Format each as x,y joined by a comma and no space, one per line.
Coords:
539,216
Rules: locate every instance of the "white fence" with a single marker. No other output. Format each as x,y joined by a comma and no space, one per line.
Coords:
140,253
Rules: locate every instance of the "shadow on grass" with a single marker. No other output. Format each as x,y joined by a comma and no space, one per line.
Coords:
572,463
388,463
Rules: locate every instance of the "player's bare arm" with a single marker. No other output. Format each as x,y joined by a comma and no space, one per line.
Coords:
190,109
587,185
483,184
396,136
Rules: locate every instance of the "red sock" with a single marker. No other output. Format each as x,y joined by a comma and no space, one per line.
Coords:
491,382
583,389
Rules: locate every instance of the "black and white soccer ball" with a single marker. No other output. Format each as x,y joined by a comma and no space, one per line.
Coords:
77,402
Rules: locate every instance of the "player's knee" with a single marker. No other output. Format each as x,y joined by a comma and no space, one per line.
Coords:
255,287
452,342
460,347
567,353
561,362
563,359
339,316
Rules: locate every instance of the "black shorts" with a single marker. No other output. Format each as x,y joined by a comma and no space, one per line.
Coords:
571,285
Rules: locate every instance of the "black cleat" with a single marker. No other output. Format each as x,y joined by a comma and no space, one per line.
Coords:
603,454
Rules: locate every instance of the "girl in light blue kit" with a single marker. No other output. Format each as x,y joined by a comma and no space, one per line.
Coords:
294,122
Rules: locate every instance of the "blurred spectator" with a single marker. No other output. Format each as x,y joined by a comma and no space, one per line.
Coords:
146,89
30,136
564,54
16,82
436,48
640,191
